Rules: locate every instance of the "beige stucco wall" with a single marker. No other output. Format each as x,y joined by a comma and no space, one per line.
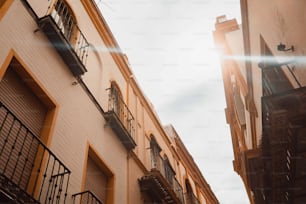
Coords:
134,193
78,120
235,44
276,21
79,123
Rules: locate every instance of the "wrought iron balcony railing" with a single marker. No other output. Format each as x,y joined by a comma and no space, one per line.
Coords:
29,171
121,120
86,197
160,183
283,147
190,198
62,30
158,163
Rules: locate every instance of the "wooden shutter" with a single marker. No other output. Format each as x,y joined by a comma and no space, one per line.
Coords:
22,102
19,151
96,180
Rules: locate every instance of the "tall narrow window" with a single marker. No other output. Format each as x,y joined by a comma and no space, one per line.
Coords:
16,140
98,180
116,100
155,150
62,14
189,193
169,171
239,107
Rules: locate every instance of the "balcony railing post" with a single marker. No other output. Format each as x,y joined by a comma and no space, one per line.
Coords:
27,156
38,173
13,145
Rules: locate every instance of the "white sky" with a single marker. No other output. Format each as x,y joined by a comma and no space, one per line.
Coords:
170,48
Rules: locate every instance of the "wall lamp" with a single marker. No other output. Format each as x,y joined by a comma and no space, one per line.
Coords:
282,47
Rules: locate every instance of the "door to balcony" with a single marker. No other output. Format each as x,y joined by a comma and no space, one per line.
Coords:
96,180
21,114
60,26
120,118
16,95
160,184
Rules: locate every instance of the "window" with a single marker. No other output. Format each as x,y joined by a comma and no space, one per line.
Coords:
190,196
62,14
188,191
99,179
96,180
239,107
169,172
155,150
115,97
26,114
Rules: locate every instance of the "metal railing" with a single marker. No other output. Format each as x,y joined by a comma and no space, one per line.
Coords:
178,190
157,162
191,198
117,106
65,21
28,163
85,197
161,165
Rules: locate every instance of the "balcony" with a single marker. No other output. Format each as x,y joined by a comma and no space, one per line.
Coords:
160,183
66,37
86,197
283,146
29,171
121,120
190,198
252,168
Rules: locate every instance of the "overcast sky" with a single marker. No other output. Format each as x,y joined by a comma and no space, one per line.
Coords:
170,48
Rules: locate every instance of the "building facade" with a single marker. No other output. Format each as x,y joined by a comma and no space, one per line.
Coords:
75,126
263,74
